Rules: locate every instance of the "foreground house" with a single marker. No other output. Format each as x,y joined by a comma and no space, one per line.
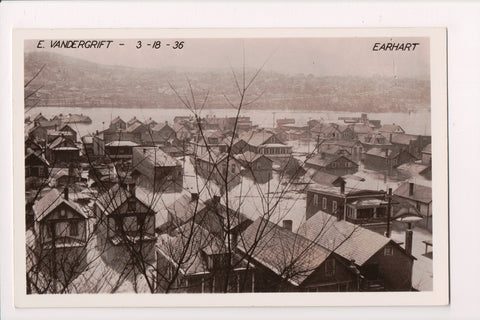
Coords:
286,261
383,264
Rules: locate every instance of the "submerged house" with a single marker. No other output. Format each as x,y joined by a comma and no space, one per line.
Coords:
332,163
381,159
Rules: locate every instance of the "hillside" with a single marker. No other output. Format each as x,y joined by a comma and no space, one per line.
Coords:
68,81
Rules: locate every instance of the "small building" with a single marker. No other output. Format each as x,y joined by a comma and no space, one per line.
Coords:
217,166
62,150
120,150
286,261
384,159
126,220
420,197
36,165
118,124
414,144
383,264
376,140
255,165
133,121
67,129
155,169
59,222
354,147
266,143
161,134
333,164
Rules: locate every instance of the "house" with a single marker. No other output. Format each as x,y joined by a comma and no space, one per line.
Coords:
420,197
39,117
346,132
35,165
217,166
59,221
360,129
286,261
414,144
113,134
161,134
118,124
62,150
54,134
326,131
183,210
266,143
333,149
365,207
255,165
315,176
334,164
155,169
126,220
34,145
391,128
383,264
38,133
191,259
67,129
354,147
382,159
138,131
93,144
120,150
427,155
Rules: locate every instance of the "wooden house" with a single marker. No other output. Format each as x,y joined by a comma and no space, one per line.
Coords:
118,124
62,150
383,159
120,150
383,264
267,143
334,164
36,165
161,134
286,261
156,170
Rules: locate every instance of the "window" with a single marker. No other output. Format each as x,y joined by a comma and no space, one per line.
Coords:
388,251
131,204
315,199
330,267
73,226
334,208
62,213
324,203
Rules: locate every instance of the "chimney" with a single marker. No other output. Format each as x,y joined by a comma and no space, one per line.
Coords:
410,189
408,240
342,187
288,224
390,138
194,197
65,193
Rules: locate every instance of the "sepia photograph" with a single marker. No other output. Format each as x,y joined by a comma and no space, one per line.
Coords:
196,163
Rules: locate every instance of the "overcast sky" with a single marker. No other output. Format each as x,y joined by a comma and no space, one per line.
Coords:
318,56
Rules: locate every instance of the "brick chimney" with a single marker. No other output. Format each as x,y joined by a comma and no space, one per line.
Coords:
288,224
410,188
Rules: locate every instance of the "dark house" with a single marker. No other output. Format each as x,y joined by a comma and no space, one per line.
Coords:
255,165
62,150
120,150
420,197
126,219
156,169
383,264
117,124
382,159
36,165
334,164
413,144
286,261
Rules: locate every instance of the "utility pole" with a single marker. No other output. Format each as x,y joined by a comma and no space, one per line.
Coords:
389,209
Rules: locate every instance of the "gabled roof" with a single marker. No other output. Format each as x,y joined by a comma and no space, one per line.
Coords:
391,128
160,126
250,157
257,138
387,153
323,160
50,201
185,208
155,157
324,178
117,119
59,140
137,127
132,121
111,200
401,138
289,255
150,122
344,238
420,193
